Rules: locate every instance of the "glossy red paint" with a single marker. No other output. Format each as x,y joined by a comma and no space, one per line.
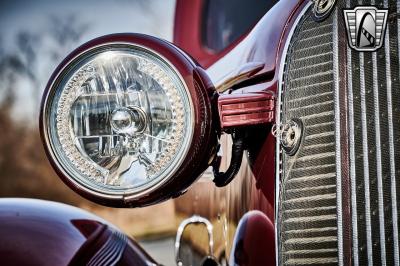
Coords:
38,232
265,43
262,45
206,125
252,240
239,110
252,189
264,169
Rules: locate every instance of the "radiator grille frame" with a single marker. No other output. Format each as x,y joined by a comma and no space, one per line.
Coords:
366,108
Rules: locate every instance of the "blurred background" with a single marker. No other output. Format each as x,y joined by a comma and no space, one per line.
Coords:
34,37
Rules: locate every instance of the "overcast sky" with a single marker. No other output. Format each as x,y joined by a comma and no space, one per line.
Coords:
96,17
151,16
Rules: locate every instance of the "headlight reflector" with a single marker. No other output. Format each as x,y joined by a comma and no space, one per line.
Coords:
129,120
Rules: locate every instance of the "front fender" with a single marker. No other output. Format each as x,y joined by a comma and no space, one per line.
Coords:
38,232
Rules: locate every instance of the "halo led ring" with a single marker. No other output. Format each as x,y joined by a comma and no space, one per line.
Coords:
60,136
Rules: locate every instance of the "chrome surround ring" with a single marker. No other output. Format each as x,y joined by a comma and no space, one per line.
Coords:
85,186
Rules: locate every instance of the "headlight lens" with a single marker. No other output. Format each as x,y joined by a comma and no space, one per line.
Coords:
119,119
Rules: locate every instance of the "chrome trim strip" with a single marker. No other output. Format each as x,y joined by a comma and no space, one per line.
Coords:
111,252
195,219
391,139
379,160
365,160
352,159
337,137
278,120
378,156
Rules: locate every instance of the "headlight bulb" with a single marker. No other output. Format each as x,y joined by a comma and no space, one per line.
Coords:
128,120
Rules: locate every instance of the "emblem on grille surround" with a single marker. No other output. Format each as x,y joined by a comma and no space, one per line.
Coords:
322,9
290,135
366,27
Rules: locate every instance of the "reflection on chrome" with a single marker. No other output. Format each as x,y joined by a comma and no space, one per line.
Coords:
194,220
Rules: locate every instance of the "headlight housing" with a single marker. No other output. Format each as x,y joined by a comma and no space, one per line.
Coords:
127,120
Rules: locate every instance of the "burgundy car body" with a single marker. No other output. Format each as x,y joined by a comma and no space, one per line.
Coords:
237,227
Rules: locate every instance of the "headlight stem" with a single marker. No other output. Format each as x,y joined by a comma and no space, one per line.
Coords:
222,179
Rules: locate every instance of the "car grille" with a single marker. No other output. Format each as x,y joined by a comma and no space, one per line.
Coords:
308,194
339,194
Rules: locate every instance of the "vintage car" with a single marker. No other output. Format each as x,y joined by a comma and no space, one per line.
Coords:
273,124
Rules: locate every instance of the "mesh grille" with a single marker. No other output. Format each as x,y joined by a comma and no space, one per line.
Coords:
308,211
308,184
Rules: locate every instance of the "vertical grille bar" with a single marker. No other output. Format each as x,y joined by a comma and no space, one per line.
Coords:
393,168
352,153
389,31
378,154
356,149
364,136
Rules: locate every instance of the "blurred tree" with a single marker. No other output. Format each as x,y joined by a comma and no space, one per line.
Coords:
26,62
24,169
66,32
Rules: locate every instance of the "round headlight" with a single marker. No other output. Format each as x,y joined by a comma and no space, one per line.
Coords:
121,120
